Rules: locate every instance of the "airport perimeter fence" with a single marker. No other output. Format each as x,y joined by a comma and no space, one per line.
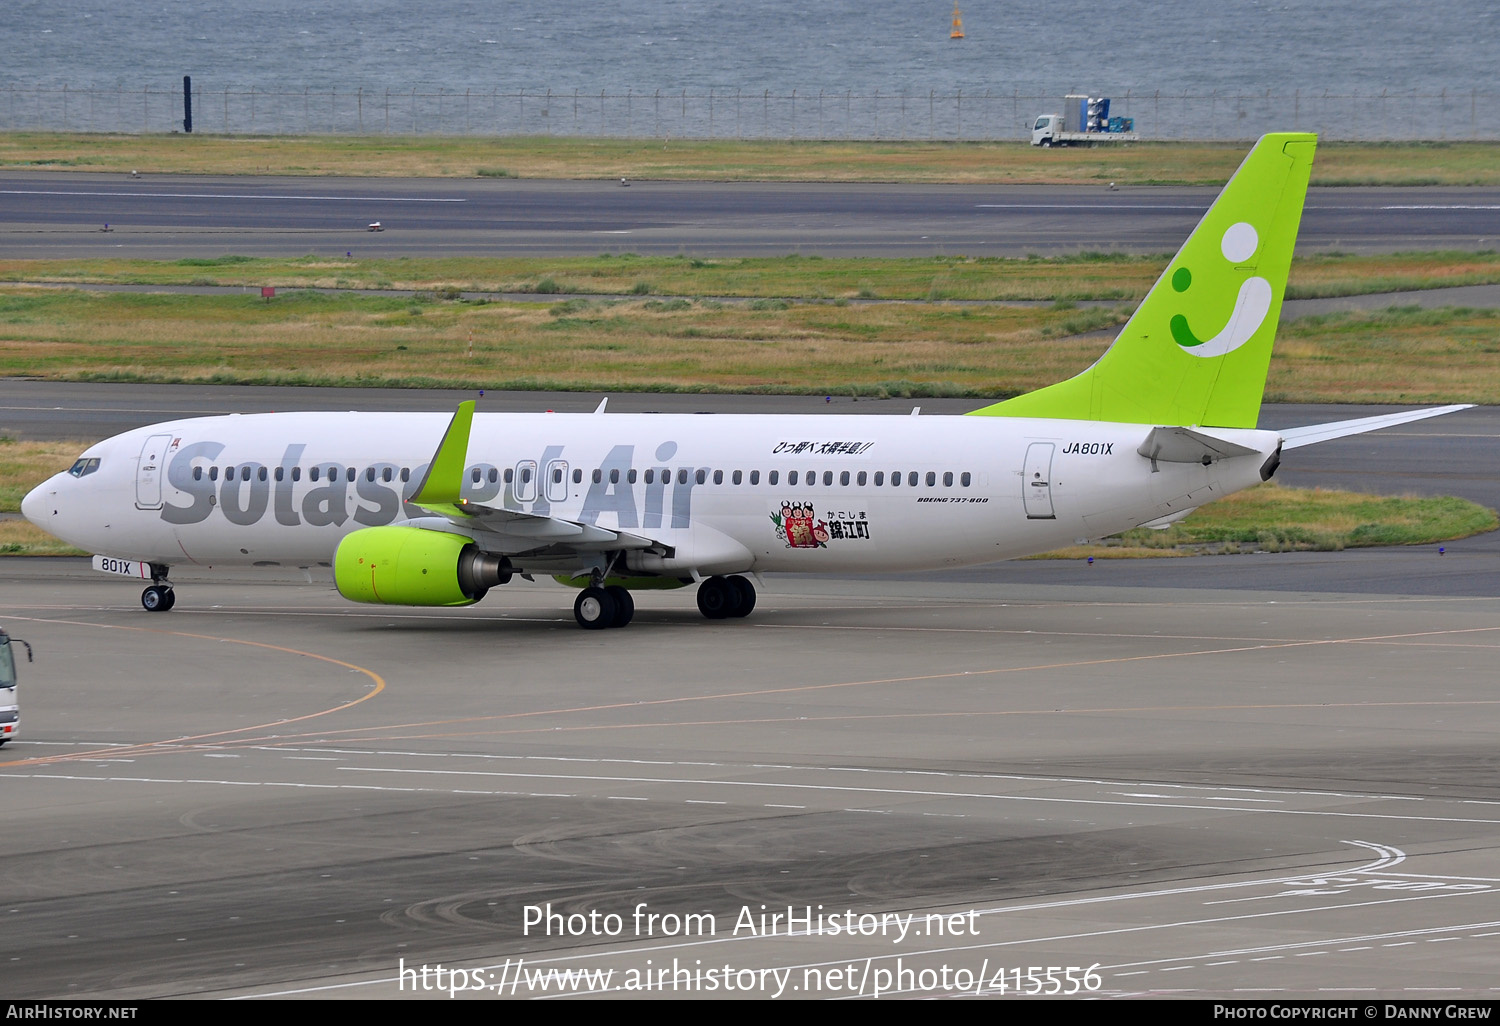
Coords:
824,114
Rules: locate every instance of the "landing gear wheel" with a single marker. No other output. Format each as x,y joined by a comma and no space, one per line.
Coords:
624,604
747,595
594,609
719,599
158,598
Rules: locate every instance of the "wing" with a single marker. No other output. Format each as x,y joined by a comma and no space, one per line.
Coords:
501,531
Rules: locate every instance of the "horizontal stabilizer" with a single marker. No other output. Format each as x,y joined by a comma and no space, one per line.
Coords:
1295,438
1184,445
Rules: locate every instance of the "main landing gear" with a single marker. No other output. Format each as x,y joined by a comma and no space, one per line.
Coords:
722,597
159,597
598,607
719,598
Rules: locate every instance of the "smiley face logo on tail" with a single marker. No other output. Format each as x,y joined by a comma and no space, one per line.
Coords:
1238,245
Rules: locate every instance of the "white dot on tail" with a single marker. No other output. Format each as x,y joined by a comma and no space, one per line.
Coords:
1239,242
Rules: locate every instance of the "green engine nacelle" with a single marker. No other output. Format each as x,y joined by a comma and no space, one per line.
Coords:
412,566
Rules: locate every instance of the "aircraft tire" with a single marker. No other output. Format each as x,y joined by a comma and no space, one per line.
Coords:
718,599
156,599
169,599
594,609
624,605
746,592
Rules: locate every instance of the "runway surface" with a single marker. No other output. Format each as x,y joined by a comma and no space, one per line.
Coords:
57,215
1240,776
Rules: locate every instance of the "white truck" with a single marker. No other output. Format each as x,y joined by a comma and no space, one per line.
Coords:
10,707
1094,125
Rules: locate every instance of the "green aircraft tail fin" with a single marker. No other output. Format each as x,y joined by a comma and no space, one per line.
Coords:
1197,349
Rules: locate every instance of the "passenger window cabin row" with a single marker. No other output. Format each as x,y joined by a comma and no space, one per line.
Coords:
652,475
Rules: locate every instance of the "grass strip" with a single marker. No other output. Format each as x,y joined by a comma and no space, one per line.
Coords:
1163,163
1396,355
1074,278
1272,518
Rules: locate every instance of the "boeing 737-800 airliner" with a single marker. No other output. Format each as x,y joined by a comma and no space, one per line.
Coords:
422,509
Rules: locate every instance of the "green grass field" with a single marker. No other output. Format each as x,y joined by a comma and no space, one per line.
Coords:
1400,355
1075,278
555,157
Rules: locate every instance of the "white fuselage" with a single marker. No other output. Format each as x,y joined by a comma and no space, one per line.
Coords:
714,493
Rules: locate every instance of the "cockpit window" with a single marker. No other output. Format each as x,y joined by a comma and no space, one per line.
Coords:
84,467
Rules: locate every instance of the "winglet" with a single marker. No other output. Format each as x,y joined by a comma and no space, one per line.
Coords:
445,474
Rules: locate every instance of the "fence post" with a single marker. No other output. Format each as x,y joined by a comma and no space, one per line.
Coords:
876,114
820,113
931,123
629,92
710,112
737,133
847,94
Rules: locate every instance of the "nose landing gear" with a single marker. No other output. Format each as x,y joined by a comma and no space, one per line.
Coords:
159,597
